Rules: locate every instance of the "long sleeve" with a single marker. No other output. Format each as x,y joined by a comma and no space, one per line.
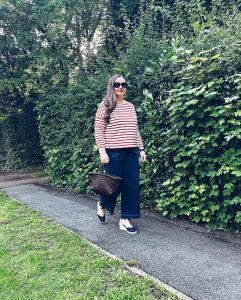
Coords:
100,125
139,141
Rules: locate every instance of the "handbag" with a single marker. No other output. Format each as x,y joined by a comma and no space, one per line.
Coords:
104,184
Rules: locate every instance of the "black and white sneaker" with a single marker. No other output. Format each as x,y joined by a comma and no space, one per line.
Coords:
131,230
100,218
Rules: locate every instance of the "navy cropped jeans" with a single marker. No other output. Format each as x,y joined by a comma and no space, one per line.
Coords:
125,164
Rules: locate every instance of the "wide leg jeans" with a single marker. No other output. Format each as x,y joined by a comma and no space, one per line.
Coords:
125,164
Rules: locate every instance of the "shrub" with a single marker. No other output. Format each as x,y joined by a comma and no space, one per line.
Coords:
189,115
19,139
204,140
66,126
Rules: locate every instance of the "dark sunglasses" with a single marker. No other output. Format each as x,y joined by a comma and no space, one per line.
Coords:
118,84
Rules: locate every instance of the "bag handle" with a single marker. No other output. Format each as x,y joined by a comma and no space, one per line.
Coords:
105,168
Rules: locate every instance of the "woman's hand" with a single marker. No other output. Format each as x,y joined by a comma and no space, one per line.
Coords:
104,158
143,156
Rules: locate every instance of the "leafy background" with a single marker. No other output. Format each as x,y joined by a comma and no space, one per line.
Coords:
182,63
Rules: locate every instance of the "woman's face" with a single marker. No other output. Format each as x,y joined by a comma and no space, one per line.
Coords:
118,88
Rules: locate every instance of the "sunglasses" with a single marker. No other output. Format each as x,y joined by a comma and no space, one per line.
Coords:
118,84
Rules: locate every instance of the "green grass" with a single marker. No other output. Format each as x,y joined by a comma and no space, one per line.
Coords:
40,259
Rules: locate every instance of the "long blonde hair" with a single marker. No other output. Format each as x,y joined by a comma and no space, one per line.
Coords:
110,98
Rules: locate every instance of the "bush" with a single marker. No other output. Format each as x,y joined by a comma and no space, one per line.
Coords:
19,139
204,140
189,115
67,131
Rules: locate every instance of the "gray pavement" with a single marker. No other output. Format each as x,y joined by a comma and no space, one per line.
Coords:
198,263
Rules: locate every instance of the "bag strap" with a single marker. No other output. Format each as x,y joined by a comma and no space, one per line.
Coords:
105,168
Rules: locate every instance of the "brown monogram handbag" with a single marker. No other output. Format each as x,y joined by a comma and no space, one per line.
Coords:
104,184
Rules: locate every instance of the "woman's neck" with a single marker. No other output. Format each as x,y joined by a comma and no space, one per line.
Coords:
120,100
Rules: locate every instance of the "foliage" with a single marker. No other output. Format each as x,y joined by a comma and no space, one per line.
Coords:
120,19
198,166
160,78
66,119
41,51
16,48
42,45
204,139
66,125
171,52
19,140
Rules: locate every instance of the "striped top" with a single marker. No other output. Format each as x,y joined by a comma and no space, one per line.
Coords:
122,130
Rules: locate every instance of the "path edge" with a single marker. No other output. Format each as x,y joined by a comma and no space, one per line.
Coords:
132,269
137,271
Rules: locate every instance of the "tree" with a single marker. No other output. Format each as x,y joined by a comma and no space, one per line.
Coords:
42,45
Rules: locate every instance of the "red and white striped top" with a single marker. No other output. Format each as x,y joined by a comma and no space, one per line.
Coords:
122,130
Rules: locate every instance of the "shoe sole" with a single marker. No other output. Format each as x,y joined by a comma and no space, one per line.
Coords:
100,221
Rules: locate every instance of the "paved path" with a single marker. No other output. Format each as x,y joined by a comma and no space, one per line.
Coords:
202,265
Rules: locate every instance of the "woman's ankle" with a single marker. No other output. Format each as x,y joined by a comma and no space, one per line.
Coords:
126,221
100,210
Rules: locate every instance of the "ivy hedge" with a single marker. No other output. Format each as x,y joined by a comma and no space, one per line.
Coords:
192,131
203,139
185,84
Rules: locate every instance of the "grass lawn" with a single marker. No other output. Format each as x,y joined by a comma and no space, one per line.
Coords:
40,259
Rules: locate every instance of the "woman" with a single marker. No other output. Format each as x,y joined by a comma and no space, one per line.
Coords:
119,142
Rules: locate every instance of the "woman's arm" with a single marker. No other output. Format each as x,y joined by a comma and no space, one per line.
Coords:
140,145
139,141
100,125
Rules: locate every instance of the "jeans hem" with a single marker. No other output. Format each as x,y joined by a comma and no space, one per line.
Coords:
130,216
111,212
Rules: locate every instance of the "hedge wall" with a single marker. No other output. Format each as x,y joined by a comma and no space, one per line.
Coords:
20,141
66,126
186,89
192,129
